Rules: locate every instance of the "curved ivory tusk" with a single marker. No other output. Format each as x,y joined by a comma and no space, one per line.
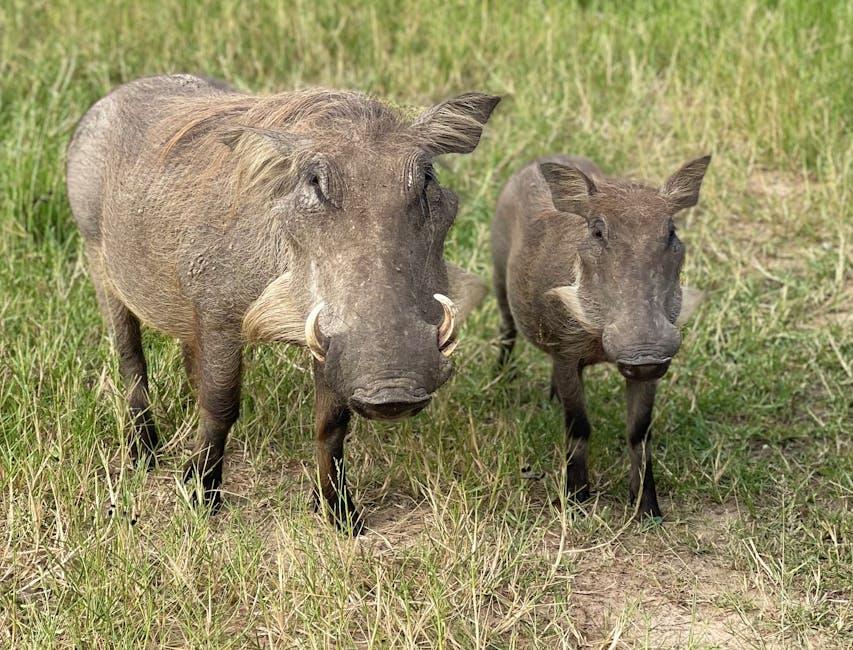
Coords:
313,336
448,349
448,325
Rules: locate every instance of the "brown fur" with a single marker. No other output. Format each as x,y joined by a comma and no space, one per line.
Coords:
219,218
587,267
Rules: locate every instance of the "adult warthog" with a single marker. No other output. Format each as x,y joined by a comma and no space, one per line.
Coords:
587,266
311,217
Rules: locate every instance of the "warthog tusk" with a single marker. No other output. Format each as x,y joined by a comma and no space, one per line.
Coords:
313,336
447,327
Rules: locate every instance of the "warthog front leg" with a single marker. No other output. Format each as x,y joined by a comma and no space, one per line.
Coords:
641,401
188,355
218,364
568,382
331,419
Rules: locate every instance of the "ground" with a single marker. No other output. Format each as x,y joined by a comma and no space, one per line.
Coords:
753,452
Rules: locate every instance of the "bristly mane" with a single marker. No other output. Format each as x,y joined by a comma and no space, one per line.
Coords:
309,112
629,198
197,129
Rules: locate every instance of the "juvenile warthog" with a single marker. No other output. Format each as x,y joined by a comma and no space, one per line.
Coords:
312,217
588,268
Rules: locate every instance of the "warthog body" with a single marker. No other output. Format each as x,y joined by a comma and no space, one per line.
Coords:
587,267
311,217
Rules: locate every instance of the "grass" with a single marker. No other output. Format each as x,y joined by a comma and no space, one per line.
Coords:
753,448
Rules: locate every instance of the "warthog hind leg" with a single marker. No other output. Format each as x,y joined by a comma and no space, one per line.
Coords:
127,337
218,364
509,332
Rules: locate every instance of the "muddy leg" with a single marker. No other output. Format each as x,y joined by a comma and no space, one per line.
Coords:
641,401
188,354
218,364
569,389
509,333
554,394
331,419
127,337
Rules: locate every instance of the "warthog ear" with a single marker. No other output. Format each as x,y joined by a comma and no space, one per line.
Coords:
570,187
466,290
455,125
690,300
682,188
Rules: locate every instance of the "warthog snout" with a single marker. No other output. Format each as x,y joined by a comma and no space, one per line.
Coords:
644,361
386,372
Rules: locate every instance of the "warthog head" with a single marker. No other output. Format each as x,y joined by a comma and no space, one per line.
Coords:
363,220
627,288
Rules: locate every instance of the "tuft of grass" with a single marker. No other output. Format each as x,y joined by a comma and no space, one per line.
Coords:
753,447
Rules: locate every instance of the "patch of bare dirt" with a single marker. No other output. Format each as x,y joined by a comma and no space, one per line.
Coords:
772,229
776,184
651,591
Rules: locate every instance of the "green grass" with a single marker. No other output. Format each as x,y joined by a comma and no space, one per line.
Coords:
753,448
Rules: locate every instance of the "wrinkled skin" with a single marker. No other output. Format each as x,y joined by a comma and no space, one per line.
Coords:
221,218
587,267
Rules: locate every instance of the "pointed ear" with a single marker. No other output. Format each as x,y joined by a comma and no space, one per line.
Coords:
466,290
682,188
690,300
282,141
570,187
455,125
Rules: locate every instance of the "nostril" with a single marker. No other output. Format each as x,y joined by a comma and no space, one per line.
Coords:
382,395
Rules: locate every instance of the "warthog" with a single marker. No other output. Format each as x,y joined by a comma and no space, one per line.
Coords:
313,218
587,266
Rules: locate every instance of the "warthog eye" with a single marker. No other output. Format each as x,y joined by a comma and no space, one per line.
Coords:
315,183
428,190
672,239
596,229
323,186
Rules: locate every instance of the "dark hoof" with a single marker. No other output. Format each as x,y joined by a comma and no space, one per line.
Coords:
209,493
649,508
143,442
575,499
143,455
343,515
351,524
145,459
506,367
579,496
652,511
